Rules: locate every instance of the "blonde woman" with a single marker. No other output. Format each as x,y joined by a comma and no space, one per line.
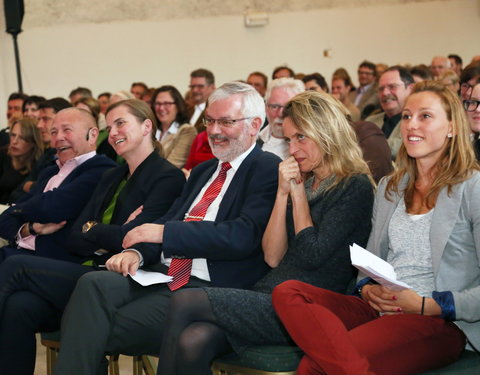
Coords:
323,204
426,224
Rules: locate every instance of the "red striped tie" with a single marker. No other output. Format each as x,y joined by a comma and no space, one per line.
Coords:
180,269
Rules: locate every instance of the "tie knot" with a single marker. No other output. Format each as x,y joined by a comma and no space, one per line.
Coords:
225,167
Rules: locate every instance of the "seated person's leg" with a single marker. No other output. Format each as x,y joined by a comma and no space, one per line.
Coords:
99,313
191,339
24,314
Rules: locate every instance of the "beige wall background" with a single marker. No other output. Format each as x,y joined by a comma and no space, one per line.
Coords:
107,45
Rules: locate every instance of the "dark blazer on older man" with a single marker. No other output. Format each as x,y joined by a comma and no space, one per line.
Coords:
232,243
155,185
54,206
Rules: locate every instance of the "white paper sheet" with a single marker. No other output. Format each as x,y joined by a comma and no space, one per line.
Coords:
376,268
147,278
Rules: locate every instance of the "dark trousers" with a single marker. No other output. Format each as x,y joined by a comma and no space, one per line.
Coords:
344,335
33,294
8,251
109,313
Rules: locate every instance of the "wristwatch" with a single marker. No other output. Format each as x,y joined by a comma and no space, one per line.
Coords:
88,225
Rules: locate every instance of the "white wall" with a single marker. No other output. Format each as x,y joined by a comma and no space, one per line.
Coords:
109,56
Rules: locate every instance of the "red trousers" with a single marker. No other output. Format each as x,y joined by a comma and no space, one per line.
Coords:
343,335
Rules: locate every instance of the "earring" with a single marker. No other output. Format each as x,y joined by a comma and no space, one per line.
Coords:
449,135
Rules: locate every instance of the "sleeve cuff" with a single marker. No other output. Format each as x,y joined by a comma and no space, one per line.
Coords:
139,255
447,304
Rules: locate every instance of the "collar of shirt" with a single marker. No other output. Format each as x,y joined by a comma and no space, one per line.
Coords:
78,160
200,107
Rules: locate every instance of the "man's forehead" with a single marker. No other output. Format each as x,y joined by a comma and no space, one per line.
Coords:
225,107
390,77
69,119
198,80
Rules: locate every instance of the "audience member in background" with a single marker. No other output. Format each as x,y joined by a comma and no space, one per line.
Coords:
259,81
279,92
439,65
25,148
341,87
475,59
176,134
202,84
315,81
323,204
342,73
366,94
472,108
200,151
92,106
48,110
283,71
121,95
421,73
61,192
451,80
426,224
78,93
456,63
394,86
468,79
104,101
14,112
35,290
148,95
138,89
380,68
30,107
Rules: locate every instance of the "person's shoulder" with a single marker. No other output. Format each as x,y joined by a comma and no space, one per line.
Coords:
100,161
265,157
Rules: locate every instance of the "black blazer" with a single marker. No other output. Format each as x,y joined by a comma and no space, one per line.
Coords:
231,244
155,184
54,206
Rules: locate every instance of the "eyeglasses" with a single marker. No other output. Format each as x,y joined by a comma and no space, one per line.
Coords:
164,104
390,87
224,123
275,107
466,86
470,105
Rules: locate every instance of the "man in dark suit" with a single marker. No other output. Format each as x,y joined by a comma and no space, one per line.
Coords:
109,312
61,192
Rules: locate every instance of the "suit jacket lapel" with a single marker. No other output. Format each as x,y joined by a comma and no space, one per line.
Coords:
238,182
444,218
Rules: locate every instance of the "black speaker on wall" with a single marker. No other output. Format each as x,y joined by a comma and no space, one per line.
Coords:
13,15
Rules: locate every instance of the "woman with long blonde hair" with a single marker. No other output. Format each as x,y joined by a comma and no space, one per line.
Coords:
426,224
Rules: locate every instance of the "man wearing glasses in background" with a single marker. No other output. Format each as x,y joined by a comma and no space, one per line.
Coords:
366,94
279,92
394,85
211,236
202,84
